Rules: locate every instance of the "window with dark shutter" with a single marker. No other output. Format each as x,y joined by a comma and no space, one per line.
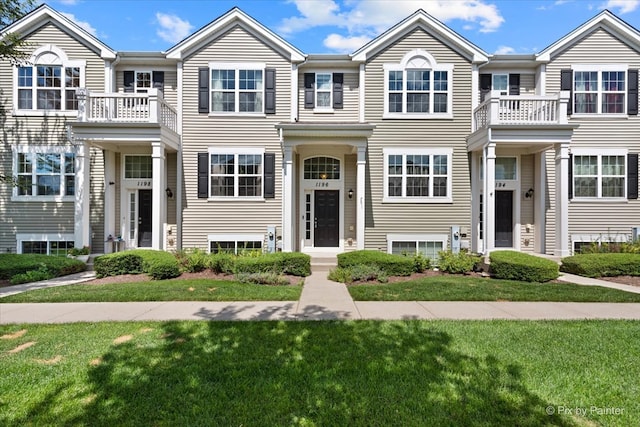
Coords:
338,82
203,175
269,175
485,86
129,81
570,190
203,90
514,84
158,80
270,91
309,90
566,83
632,92
632,176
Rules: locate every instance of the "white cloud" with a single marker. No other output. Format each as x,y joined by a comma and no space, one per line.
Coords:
172,28
339,43
504,50
68,2
82,24
622,6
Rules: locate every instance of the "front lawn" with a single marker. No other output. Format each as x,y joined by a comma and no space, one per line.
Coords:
463,288
161,290
361,373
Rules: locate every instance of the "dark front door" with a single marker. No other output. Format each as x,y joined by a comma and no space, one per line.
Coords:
326,222
504,219
145,207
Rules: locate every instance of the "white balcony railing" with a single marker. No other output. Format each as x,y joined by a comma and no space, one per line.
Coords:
522,110
122,107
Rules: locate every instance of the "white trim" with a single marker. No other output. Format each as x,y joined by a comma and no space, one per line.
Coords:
235,238
598,153
44,149
236,151
237,67
599,92
598,238
44,237
417,238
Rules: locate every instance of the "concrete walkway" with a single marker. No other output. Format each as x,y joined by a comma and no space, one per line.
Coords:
321,299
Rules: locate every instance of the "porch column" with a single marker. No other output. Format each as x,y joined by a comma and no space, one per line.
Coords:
109,199
287,199
360,197
158,195
82,225
562,200
489,198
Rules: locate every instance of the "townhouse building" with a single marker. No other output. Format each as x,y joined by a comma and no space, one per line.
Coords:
234,139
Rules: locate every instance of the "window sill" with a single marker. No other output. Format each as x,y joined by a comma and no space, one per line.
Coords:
236,114
599,116
236,199
414,116
43,198
417,200
584,200
43,113
323,110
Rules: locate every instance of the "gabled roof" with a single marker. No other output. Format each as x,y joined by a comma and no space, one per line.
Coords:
421,19
45,14
224,23
605,20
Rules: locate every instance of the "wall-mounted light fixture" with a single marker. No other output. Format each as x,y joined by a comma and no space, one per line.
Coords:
169,192
112,183
529,193
350,193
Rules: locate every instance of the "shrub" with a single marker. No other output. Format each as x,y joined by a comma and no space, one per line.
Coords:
193,260
391,265
460,263
157,264
521,266
273,279
294,263
421,263
221,263
602,264
13,264
41,273
79,251
341,275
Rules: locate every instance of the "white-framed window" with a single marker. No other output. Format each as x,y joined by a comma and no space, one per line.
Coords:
143,81
427,245
237,88
599,89
234,243
324,90
45,244
322,167
599,174
44,173
580,242
417,175
500,82
418,87
236,173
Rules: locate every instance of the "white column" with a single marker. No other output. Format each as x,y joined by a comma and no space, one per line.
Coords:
489,198
360,197
109,199
562,200
287,200
82,225
539,202
158,195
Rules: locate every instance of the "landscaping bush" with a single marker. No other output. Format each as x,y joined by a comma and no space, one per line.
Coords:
193,260
41,273
294,263
391,265
460,263
521,266
13,264
272,279
360,272
602,264
157,264
221,263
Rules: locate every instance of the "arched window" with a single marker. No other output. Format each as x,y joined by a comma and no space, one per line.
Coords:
322,168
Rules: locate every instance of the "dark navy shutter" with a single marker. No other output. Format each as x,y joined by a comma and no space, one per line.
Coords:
203,175
269,175
158,80
632,176
632,93
485,86
338,82
203,90
570,176
514,84
129,81
566,83
270,91
309,90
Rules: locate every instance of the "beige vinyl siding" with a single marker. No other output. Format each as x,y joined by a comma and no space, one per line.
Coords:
350,182
42,217
550,202
201,131
427,218
96,215
600,218
527,81
527,239
172,169
351,100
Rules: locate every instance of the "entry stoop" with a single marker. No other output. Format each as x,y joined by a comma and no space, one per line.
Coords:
323,262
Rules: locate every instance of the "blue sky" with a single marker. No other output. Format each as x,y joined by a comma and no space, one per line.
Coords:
341,26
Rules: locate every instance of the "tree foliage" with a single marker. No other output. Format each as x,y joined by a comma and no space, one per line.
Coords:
12,44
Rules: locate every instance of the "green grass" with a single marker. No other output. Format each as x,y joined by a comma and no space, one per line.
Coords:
161,290
358,373
461,288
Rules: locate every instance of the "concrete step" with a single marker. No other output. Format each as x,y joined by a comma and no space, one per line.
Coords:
323,263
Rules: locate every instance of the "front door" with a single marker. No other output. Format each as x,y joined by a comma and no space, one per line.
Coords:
145,207
326,221
504,219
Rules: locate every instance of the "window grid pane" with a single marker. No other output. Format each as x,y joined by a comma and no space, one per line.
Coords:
599,176
417,175
322,168
138,167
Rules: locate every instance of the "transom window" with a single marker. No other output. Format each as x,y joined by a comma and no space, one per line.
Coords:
45,173
418,87
417,175
599,91
236,173
599,175
138,167
324,89
322,168
237,89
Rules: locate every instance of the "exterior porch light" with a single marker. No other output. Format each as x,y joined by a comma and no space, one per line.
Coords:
529,193
350,193
169,192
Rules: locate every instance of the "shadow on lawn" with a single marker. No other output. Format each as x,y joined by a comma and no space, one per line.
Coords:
302,373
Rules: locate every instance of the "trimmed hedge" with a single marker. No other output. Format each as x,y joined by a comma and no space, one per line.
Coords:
157,264
514,265
294,263
392,265
602,264
13,264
